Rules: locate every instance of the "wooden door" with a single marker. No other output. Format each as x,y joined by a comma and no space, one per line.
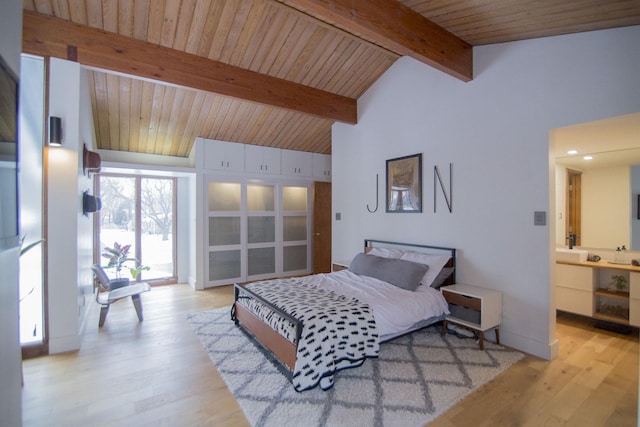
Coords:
321,227
574,203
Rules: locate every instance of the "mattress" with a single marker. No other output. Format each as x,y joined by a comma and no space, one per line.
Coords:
396,310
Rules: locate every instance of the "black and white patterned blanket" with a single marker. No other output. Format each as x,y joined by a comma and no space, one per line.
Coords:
338,331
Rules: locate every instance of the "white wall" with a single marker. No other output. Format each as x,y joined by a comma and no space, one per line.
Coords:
85,223
10,358
495,132
64,210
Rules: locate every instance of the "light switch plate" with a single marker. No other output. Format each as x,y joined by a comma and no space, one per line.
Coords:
539,218
338,216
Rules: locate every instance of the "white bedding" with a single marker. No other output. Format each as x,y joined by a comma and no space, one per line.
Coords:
405,310
344,316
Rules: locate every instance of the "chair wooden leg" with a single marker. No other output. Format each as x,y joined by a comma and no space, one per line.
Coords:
104,310
137,303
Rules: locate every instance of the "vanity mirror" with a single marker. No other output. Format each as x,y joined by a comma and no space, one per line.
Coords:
600,194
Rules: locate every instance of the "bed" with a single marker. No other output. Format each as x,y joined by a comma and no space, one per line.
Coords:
314,326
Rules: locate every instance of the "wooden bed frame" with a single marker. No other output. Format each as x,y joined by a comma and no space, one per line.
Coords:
275,345
269,339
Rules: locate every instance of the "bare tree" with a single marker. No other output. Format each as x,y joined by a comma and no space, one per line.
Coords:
157,203
117,201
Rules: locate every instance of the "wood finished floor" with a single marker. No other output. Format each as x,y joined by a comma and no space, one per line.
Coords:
156,373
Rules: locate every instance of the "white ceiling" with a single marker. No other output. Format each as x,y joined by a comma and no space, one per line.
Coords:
611,142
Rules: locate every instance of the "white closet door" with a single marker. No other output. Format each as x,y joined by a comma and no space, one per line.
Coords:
295,229
225,233
261,231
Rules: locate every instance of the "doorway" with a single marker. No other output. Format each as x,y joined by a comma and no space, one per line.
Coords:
321,227
140,211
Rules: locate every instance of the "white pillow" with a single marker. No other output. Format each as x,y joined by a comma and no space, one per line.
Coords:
386,252
435,263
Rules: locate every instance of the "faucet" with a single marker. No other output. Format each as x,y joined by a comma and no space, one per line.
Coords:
572,240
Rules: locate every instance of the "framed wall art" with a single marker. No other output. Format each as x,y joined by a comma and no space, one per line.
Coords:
404,184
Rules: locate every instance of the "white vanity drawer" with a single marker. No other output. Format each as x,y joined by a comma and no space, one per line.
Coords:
575,277
634,312
574,301
634,285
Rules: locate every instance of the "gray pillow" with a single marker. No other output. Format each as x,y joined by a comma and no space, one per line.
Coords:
444,274
399,272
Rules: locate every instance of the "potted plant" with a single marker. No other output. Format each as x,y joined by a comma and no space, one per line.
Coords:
118,255
135,272
619,283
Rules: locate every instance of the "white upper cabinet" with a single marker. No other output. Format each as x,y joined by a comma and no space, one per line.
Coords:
226,156
296,163
252,160
321,167
262,160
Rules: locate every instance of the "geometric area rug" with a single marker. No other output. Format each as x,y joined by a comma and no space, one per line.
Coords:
415,378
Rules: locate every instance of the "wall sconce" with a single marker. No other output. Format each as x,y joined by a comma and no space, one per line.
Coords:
55,131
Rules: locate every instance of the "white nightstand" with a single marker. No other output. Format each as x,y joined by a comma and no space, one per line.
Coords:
473,307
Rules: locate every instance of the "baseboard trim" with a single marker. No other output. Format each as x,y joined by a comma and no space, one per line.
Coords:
543,350
64,344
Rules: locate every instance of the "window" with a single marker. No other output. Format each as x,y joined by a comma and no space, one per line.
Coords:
140,211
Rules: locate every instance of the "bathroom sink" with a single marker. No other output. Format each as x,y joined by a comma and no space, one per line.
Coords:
571,255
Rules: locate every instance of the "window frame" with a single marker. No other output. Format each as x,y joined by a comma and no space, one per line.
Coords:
97,250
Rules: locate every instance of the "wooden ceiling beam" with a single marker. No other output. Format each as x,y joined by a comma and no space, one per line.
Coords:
48,36
398,28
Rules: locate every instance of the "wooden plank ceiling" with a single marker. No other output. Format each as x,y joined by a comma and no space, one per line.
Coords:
331,50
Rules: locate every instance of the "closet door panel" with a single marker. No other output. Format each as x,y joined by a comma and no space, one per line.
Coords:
225,233
261,261
294,258
224,230
294,228
261,231
225,265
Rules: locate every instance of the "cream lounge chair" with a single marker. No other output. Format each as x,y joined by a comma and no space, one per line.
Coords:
105,297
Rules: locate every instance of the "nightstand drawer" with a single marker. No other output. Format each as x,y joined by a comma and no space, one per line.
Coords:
465,301
339,267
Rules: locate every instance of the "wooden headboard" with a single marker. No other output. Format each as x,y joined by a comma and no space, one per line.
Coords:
437,250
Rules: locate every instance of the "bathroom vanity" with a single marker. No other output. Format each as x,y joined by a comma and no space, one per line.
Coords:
602,290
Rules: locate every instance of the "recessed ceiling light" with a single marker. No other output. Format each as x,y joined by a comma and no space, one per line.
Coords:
587,157
572,152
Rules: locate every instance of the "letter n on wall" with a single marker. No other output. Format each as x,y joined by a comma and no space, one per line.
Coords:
437,179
